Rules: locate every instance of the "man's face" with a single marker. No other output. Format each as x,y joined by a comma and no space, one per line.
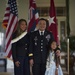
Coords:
42,25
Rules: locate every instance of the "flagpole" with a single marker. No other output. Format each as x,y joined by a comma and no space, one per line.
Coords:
68,33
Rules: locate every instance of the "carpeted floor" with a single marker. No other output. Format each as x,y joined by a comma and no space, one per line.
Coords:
5,73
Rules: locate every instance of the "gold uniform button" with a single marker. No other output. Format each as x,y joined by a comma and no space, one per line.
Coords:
25,48
41,46
41,50
25,44
41,43
41,40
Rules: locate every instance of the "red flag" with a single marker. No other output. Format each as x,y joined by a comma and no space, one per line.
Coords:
10,22
33,16
52,21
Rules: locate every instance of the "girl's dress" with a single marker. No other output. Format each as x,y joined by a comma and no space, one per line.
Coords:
51,65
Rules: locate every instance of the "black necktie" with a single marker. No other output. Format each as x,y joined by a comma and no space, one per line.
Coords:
41,33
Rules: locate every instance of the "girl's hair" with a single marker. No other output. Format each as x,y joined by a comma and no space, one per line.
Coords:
18,30
57,59
49,44
49,47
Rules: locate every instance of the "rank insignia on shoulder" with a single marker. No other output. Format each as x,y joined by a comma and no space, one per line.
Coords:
30,54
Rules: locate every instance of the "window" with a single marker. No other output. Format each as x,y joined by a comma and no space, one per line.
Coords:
62,30
1,41
1,37
44,11
61,11
2,31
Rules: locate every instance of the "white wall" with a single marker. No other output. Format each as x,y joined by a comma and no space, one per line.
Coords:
72,16
23,6
2,8
22,9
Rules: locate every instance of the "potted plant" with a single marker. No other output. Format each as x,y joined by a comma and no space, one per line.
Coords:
72,50
63,45
72,44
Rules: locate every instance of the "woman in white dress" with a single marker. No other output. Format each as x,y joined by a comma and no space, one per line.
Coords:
53,61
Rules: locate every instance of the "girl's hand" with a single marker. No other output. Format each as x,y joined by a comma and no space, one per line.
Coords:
56,72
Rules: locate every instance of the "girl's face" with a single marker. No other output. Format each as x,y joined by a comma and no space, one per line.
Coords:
23,26
53,45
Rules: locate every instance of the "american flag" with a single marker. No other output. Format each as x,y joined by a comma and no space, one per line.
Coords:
33,16
10,22
52,21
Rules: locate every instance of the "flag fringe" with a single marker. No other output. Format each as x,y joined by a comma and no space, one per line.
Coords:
4,26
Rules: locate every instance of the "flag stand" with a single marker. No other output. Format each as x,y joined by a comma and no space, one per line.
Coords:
68,55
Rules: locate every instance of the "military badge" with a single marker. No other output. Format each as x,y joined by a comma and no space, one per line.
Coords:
35,39
48,37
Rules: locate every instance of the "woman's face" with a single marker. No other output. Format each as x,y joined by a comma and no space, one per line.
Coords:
53,45
23,26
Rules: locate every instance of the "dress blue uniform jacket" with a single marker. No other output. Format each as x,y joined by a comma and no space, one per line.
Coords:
20,47
38,48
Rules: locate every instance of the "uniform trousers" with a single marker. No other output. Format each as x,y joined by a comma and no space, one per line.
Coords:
39,69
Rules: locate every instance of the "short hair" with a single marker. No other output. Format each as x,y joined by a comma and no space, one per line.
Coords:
47,22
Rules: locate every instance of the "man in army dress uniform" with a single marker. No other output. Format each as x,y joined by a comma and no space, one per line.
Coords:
38,47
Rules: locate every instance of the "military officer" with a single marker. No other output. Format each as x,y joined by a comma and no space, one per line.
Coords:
38,47
20,43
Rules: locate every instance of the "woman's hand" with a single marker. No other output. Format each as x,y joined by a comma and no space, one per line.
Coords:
17,63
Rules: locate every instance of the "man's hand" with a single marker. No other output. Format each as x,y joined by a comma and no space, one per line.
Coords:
58,52
56,72
31,62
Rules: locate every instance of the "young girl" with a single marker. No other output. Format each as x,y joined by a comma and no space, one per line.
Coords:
52,66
